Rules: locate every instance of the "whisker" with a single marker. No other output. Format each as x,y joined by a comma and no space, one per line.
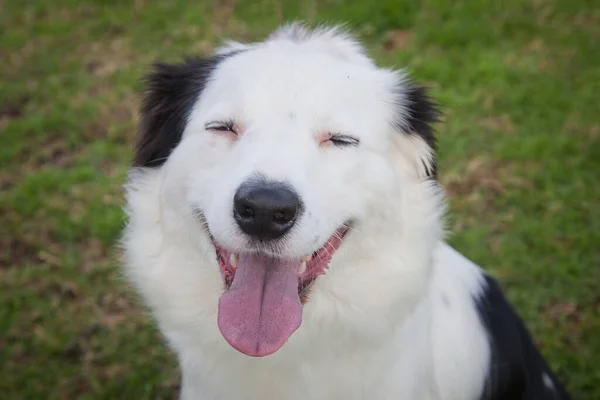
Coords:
352,228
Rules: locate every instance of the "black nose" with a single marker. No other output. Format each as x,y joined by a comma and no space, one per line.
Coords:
265,210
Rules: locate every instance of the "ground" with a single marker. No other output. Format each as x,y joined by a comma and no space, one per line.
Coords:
519,155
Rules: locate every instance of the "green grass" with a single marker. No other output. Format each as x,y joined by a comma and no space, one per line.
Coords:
519,155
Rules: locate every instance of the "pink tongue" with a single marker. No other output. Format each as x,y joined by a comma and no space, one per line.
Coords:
261,309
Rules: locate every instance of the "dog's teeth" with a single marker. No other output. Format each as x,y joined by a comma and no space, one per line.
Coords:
233,260
307,258
302,268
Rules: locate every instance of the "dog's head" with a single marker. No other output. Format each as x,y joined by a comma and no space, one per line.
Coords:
281,153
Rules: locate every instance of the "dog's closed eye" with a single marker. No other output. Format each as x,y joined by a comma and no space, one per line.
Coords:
222,126
340,140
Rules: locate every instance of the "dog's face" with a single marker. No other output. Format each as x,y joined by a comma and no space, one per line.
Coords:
281,150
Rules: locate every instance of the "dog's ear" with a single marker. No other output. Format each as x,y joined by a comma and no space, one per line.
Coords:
171,92
416,115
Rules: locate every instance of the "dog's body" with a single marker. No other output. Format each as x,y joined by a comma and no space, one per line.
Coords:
387,309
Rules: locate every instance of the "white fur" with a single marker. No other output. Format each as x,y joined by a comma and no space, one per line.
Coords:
393,318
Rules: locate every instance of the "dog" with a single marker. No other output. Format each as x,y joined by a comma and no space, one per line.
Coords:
285,228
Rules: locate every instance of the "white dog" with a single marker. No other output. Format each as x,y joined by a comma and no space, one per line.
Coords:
285,228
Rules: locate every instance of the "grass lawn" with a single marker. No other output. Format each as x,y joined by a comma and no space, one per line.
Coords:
519,156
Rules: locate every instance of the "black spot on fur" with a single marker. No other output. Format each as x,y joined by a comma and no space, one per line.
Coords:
517,368
172,91
419,113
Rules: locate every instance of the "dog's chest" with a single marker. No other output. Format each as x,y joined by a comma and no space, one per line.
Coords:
353,377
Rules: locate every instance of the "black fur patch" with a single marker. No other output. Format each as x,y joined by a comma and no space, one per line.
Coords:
417,117
172,91
518,370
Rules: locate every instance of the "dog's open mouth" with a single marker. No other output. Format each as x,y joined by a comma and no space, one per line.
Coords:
262,305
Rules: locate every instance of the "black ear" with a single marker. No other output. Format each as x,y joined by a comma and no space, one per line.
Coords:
171,92
417,116
422,113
